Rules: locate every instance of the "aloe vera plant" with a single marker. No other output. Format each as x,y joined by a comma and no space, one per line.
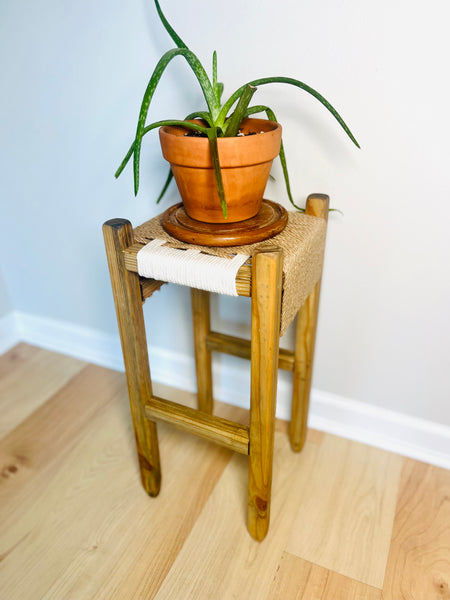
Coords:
220,119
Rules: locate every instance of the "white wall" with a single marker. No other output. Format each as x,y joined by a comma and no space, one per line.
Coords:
72,79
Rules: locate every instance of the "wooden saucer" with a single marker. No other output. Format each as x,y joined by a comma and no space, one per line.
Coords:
270,220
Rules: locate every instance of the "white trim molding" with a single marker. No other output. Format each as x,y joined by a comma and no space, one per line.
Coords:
389,430
376,426
8,332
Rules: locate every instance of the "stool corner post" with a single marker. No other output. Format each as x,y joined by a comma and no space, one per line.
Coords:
201,325
317,205
305,336
266,309
118,235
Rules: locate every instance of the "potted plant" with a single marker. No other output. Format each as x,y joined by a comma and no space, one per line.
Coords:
222,146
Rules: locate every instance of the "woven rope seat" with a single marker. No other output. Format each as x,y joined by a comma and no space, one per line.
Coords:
302,243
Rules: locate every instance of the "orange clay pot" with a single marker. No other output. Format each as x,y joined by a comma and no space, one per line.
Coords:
245,162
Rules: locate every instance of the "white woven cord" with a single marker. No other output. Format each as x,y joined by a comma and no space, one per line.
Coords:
190,267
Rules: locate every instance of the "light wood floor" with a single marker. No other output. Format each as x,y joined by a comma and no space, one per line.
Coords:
349,522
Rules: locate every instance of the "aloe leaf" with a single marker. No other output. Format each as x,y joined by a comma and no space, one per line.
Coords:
253,110
168,27
155,125
124,162
203,80
295,82
271,116
166,185
218,88
231,126
202,114
214,81
217,85
212,137
282,156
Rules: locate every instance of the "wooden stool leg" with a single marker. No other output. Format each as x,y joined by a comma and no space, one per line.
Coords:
317,205
118,234
201,327
266,305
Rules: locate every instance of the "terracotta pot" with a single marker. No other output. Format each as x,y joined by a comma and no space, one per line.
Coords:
245,163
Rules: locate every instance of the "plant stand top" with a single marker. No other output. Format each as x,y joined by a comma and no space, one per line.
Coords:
302,242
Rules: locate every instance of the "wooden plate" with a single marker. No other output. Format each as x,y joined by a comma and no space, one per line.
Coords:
270,220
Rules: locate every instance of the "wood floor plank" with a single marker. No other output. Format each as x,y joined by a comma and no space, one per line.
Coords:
298,579
44,438
346,514
83,527
28,377
146,554
76,523
419,559
35,452
60,520
220,559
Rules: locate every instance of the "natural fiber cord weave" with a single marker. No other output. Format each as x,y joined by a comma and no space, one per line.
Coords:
302,242
190,267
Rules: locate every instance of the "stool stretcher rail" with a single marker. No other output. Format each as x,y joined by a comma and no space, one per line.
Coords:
215,429
236,346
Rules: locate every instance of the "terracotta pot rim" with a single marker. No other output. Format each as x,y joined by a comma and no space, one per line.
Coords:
244,150
180,131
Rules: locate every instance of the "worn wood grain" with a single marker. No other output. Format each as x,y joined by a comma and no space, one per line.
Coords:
118,235
149,286
203,369
236,346
270,220
419,559
266,306
317,205
215,429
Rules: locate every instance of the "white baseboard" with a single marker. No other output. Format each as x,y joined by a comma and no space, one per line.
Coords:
410,436
8,332
74,340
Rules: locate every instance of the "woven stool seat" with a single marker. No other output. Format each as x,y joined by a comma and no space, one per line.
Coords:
302,243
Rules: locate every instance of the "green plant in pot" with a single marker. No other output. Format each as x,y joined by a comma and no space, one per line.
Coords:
229,152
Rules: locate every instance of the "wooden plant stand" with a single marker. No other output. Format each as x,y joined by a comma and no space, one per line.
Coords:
262,280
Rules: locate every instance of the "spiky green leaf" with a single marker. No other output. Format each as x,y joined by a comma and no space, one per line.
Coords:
203,80
295,82
166,185
231,126
271,116
214,68
217,86
168,27
156,125
202,114
213,147
218,89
